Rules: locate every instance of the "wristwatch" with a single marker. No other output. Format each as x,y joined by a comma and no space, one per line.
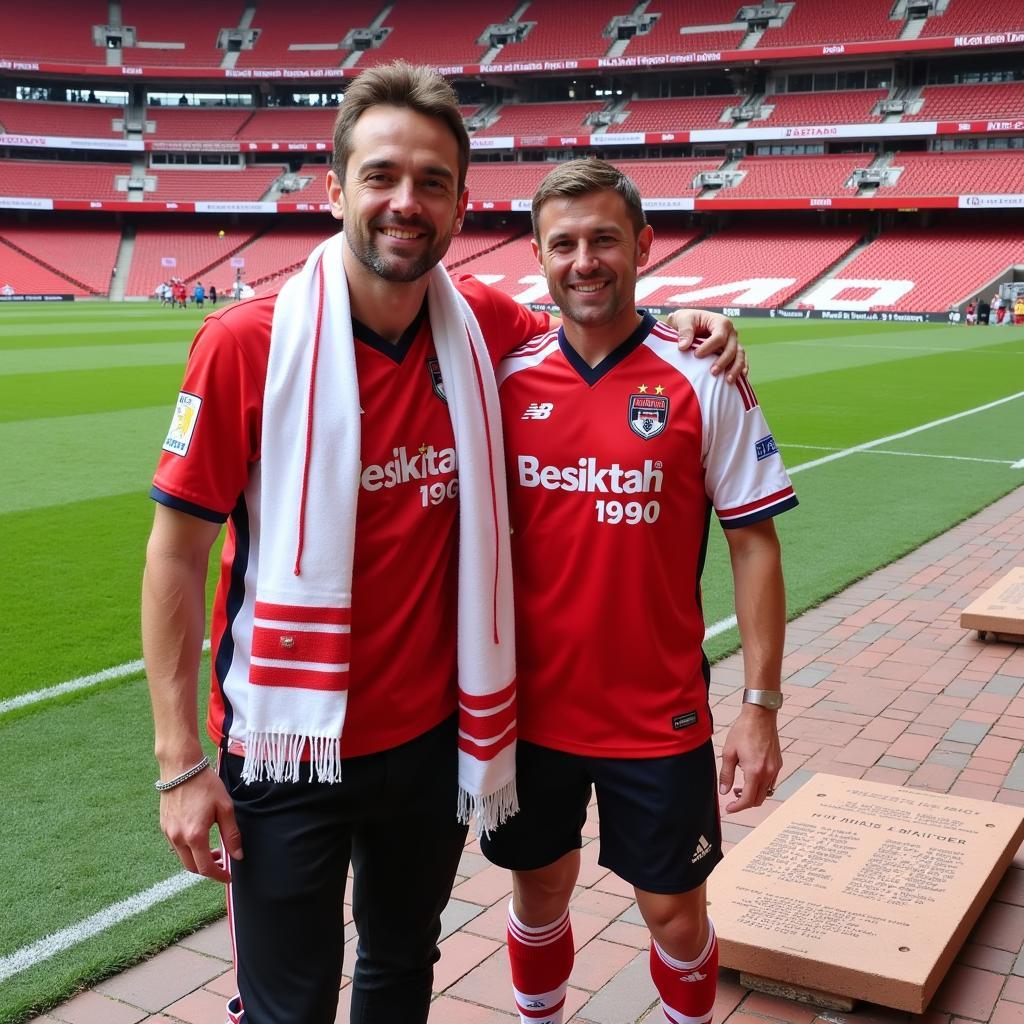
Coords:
770,699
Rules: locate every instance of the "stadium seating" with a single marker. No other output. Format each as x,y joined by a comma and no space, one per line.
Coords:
677,114
665,36
323,21
945,174
79,120
194,243
852,107
27,277
196,26
315,191
947,263
424,34
475,239
970,102
543,119
969,16
249,184
795,176
65,36
792,253
64,180
83,251
187,123
290,124
564,30
818,21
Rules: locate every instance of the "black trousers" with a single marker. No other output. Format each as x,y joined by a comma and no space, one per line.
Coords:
393,818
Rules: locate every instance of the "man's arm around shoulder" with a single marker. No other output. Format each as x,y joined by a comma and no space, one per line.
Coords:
173,624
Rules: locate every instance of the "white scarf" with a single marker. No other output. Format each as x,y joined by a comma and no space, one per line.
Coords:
299,672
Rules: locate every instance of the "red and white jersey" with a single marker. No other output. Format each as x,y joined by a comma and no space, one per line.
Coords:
404,593
613,472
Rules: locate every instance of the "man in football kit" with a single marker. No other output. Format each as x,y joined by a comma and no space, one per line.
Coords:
618,444
387,654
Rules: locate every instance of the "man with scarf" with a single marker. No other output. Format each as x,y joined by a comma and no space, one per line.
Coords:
361,632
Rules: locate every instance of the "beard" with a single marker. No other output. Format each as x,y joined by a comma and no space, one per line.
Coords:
398,269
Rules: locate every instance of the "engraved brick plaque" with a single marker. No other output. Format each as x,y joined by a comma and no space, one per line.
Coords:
861,889
1000,609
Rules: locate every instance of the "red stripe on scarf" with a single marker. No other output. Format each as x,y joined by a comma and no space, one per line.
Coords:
488,753
303,613
296,645
486,701
482,727
297,678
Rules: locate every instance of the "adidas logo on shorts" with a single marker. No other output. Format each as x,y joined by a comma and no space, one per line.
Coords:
703,849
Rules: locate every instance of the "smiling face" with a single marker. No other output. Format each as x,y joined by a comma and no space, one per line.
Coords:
589,250
399,199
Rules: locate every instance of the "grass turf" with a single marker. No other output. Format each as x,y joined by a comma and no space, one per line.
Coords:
87,392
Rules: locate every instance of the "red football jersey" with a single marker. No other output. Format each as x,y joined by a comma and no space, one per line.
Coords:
404,592
612,474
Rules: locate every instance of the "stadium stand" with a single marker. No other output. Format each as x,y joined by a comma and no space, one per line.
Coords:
82,251
187,123
967,102
290,124
665,36
315,190
271,255
65,36
195,31
28,277
947,263
564,30
793,176
818,21
793,253
969,16
194,244
423,34
249,184
675,114
50,178
542,118
79,120
477,239
322,23
931,174
852,107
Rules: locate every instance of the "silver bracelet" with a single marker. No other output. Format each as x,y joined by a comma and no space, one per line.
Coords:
162,787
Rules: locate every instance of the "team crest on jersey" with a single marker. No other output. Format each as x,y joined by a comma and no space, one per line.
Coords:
434,368
183,424
648,415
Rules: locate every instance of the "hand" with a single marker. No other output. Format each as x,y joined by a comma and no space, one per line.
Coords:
716,333
188,812
753,744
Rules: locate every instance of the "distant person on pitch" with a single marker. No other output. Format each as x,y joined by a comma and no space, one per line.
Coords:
617,446
199,294
213,295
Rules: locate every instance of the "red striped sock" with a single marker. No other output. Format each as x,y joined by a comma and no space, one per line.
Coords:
541,960
687,987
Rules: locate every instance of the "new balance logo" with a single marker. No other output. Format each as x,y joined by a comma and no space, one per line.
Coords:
703,849
538,410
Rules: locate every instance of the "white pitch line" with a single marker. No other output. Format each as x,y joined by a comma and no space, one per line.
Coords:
129,668
57,942
913,455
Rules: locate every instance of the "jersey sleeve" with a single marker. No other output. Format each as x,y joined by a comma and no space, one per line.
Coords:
504,323
744,475
214,434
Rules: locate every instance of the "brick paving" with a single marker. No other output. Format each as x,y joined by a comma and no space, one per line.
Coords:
882,684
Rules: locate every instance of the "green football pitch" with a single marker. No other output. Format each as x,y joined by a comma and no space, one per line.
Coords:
893,434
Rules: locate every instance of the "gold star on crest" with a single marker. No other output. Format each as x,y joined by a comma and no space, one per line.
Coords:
642,389
658,390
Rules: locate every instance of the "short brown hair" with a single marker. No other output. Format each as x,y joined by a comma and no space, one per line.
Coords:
399,84
582,177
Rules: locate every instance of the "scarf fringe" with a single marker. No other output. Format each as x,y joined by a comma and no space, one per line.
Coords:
277,757
487,811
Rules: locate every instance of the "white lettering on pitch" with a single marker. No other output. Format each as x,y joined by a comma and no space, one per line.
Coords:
883,293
